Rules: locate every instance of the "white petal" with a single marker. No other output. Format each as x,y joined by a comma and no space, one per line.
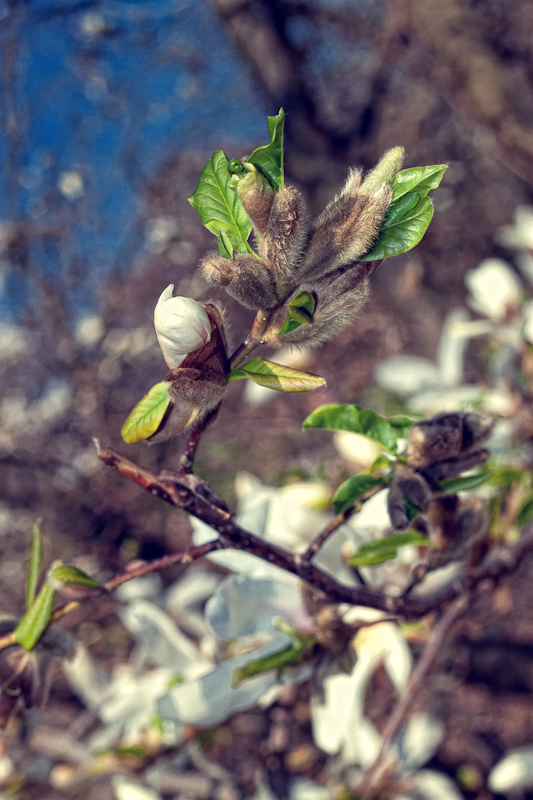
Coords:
181,325
212,698
520,234
494,288
244,605
436,786
162,641
407,374
513,772
126,789
420,740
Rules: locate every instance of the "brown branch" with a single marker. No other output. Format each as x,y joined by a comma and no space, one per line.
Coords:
190,494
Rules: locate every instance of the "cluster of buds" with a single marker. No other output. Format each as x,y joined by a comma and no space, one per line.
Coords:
319,257
191,336
439,449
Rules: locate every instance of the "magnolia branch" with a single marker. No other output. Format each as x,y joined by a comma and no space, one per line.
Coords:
191,494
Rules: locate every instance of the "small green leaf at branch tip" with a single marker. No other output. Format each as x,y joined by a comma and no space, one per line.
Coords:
220,208
269,158
337,417
465,483
36,619
35,561
65,574
301,309
276,376
147,415
409,213
353,489
386,549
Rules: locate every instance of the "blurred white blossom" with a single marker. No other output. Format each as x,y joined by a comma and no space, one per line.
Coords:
514,772
494,289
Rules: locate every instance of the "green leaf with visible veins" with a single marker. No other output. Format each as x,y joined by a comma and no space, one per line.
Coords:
220,208
354,488
269,158
147,415
386,549
336,417
409,213
35,561
276,376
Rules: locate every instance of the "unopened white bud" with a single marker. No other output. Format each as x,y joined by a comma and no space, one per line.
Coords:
181,325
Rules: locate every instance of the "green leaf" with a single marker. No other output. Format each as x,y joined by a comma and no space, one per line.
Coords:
352,489
386,549
417,179
66,574
336,417
276,376
402,425
301,309
465,483
35,561
269,158
409,213
36,619
147,415
525,515
220,208
295,653
404,226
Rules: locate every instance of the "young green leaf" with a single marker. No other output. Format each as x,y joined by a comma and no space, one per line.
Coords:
35,561
276,376
269,158
386,549
464,483
402,425
409,214
417,179
147,415
352,489
68,575
36,619
404,226
525,515
220,208
336,417
301,309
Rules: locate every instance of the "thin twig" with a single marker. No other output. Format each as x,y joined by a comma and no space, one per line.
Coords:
339,520
189,452
401,711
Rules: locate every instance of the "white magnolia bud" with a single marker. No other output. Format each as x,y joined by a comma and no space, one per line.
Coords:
181,325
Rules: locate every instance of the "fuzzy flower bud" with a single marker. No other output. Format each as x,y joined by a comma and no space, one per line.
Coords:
182,325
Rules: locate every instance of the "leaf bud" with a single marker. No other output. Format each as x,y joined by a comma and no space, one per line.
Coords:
384,172
182,326
445,437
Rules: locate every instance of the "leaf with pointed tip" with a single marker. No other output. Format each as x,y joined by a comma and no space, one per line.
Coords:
36,619
220,208
35,561
465,483
386,549
147,415
276,376
269,158
336,417
68,575
409,213
417,179
353,489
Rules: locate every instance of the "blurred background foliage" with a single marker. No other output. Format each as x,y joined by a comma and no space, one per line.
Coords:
109,110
